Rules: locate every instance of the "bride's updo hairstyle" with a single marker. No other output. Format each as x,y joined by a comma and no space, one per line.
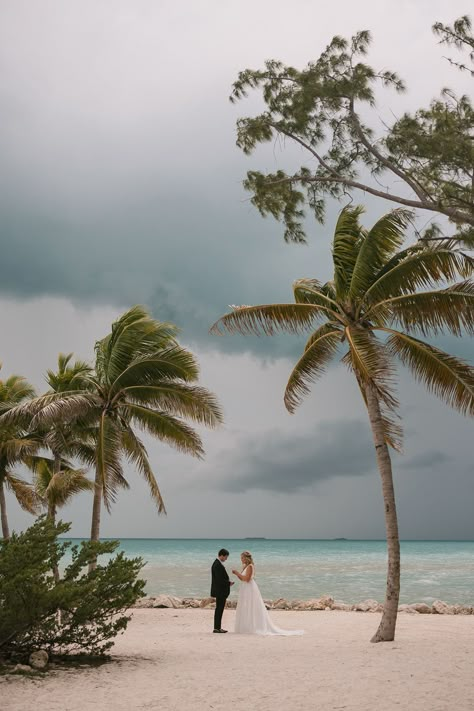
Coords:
247,557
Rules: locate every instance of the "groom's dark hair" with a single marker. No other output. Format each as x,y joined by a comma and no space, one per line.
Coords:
223,551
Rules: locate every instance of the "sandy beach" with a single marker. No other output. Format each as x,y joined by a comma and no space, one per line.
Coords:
169,660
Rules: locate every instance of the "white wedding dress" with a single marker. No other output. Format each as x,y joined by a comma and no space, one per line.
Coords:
251,616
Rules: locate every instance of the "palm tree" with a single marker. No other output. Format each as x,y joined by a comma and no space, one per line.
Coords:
377,289
143,378
69,438
16,446
56,489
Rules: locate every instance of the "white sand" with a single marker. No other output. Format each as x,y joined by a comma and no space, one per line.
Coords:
170,660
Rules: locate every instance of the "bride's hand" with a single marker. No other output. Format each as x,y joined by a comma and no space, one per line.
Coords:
235,572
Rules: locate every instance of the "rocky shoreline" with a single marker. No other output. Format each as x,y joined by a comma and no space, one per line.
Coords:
438,607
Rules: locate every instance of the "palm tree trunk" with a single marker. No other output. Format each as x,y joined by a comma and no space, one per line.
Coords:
386,629
3,512
96,510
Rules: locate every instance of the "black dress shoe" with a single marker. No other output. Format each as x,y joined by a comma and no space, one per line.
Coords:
219,631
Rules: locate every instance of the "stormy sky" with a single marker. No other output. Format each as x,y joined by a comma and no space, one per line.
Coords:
120,183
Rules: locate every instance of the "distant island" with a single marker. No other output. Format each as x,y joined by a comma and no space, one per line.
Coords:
255,538
340,539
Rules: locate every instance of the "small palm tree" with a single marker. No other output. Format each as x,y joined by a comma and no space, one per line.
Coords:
16,446
143,378
376,290
56,489
69,438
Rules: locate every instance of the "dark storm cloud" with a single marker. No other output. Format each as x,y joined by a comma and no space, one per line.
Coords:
282,462
120,184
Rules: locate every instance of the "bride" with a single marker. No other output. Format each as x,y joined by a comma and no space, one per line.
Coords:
251,615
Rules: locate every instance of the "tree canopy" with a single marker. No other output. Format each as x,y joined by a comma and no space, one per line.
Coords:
424,160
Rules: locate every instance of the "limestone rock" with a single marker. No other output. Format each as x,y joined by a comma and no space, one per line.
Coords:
191,602
422,608
167,601
327,601
408,609
367,606
315,604
145,602
207,602
39,659
440,608
280,604
22,668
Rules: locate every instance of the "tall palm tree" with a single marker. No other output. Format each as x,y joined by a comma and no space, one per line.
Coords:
16,446
378,304
143,378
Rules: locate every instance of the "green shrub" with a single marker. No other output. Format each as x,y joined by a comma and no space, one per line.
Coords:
82,613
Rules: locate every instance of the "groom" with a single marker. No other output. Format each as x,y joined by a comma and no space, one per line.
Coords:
220,587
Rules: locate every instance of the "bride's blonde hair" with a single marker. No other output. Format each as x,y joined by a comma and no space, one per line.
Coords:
247,557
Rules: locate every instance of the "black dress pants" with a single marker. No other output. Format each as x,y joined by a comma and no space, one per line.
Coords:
220,604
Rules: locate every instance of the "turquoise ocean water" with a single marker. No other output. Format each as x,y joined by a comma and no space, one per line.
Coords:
350,571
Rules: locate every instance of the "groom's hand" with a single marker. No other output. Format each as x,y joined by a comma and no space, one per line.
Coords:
232,583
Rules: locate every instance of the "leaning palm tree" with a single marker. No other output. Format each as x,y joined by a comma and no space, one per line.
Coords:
377,290
16,446
143,379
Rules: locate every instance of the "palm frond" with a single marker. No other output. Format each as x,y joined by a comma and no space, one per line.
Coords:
68,377
310,291
51,408
65,484
85,453
378,245
137,455
430,312
24,493
421,268
392,429
345,248
319,350
180,399
369,360
13,391
15,449
448,377
108,464
269,319
169,363
166,428
133,335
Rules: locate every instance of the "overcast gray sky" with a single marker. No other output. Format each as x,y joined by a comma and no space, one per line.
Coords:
120,183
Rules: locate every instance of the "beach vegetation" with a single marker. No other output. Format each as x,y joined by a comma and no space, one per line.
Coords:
82,613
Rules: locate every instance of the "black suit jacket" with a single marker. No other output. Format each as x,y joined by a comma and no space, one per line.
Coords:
220,584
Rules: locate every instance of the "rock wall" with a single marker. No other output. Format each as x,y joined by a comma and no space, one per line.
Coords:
326,602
